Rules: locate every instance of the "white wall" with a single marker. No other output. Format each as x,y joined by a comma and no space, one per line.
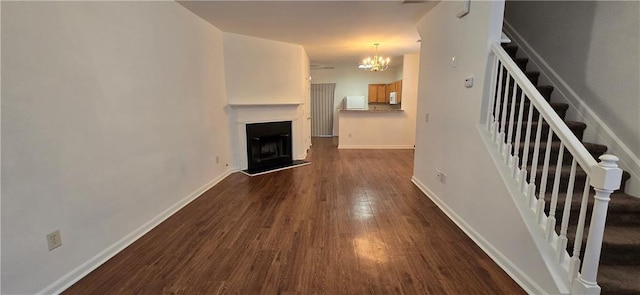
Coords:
351,81
474,195
261,74
594,46
385,129
263,71
112,116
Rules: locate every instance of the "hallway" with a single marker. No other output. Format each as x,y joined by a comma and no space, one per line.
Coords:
350,223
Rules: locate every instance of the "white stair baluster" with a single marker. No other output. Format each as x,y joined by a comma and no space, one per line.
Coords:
525,151
551,221
516,150
499,103
492,94
544,177
531,189
503,115
512,113
574,262
566,212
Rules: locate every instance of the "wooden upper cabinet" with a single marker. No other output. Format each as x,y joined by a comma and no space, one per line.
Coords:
382,93
398,87
373,93
378,93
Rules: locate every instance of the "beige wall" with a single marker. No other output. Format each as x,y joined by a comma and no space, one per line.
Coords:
263,71
474,195
113,114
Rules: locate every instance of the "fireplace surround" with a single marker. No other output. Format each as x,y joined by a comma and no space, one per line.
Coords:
248,113
269,147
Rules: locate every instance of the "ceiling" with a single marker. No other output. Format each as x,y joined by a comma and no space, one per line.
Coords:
333,33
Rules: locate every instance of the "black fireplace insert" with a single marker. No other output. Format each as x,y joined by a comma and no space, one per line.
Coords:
269,146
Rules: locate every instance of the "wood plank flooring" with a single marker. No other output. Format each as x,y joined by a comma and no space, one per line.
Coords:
350,223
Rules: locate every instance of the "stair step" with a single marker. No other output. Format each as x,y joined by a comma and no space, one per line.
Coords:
560,108
510,49
565,172
521,62
620,245
533,76
596,150
546,91
623,209
576,127
619,280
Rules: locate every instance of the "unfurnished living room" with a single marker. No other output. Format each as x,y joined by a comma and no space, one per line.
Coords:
320,147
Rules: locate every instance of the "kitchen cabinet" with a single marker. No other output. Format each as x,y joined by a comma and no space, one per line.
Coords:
378,93
398,90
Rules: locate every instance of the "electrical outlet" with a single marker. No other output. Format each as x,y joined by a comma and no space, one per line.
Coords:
349,135
426,117
217,160
54,240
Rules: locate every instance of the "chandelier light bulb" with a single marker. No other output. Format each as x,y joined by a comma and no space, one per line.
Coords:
377,63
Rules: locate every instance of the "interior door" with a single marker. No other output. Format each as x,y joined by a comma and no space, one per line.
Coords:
322,96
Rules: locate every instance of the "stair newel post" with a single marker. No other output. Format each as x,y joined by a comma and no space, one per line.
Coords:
605,178
492,94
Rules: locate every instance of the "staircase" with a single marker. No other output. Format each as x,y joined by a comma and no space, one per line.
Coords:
619,266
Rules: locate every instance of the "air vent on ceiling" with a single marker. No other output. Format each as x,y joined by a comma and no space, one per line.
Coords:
321,67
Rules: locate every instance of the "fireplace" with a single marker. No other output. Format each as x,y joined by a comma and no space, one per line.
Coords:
268,145
272,135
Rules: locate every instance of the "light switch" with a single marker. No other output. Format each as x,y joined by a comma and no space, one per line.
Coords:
468,82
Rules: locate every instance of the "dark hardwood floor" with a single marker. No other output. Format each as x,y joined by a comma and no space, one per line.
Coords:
350,223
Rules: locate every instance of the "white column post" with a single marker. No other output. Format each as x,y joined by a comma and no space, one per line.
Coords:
605,178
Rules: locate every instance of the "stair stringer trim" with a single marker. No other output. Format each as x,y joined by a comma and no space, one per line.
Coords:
628,160
536,230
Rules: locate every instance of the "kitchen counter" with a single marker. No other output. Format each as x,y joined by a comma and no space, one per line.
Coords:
372,110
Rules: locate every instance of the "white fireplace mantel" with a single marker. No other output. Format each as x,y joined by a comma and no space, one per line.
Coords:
249,113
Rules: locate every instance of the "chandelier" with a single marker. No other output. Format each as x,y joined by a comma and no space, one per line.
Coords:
375,64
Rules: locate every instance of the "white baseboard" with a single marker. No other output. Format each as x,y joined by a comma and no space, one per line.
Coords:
520,277
84,269
628,160
376,147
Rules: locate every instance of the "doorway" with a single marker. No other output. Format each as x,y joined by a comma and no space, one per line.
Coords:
322,96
